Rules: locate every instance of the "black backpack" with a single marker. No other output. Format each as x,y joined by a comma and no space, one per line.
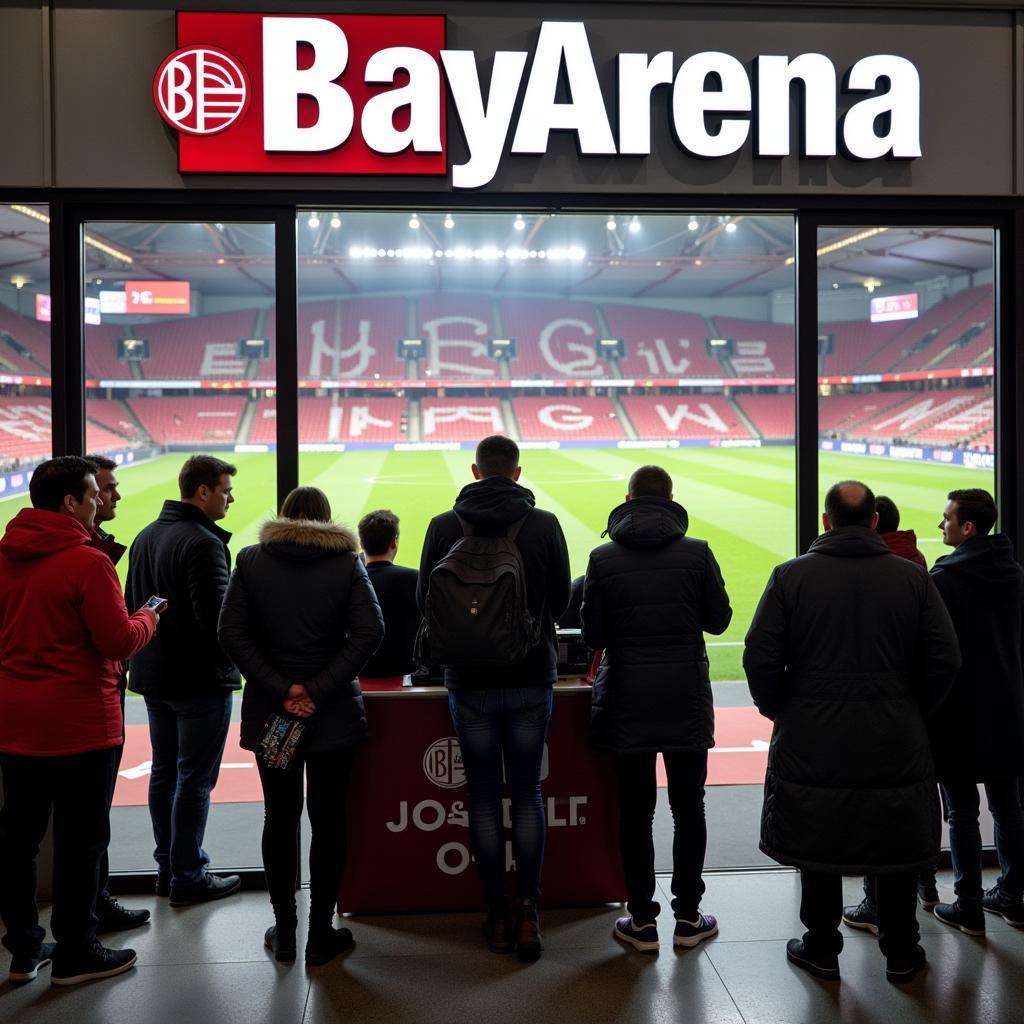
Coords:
475,615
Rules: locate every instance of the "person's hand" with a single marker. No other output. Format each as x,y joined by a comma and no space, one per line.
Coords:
297,692
299,708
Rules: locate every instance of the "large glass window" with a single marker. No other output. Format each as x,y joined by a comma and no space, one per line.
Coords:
907,339
600,343
25,429
178,360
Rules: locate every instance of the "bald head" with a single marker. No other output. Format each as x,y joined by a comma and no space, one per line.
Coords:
849,503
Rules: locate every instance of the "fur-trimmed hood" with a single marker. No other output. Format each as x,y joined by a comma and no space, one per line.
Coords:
322,538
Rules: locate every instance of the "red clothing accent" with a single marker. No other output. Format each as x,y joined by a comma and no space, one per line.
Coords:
904,544
64,630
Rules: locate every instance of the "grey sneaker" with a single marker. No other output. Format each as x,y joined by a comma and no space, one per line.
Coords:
863,916
25,968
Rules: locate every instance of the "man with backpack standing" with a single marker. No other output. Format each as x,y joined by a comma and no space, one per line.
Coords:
494,576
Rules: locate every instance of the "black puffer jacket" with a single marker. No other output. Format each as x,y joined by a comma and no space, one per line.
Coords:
184,557
648,598
300,609
850,646
492,505
978,734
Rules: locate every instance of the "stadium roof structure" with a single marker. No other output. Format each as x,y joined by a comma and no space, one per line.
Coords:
623,256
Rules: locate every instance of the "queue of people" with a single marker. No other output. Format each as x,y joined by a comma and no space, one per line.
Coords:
880,679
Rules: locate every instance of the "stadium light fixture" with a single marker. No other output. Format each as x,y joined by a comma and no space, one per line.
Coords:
634,225
730,226
449,222
19,281
610,223
314,221
414,222
693,225
95,243
519,224
335,222
824,250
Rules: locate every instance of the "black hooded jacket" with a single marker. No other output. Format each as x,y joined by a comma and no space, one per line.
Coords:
182,556
300,609
849,648
492,505
978,734
649,596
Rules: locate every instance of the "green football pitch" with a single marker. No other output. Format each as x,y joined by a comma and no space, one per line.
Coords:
740,500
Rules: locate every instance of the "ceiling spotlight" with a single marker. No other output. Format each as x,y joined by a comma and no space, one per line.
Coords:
634,225
449,221
19,281
835,284
519,224
871,283
356,252
693,225
610,223
414,222
335,222
730,227
314,221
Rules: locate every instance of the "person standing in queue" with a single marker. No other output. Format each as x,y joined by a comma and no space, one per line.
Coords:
300,620
185,676
978,734
849,648
650,594
64,630
113,916
494,577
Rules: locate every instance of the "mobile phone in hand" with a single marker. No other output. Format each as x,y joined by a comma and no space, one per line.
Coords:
156,604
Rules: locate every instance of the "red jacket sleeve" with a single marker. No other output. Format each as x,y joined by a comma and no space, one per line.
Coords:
116,634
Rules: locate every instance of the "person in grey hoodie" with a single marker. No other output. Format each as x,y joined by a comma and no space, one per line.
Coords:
978,734
650,594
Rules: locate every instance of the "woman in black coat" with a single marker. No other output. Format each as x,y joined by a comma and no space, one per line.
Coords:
300,620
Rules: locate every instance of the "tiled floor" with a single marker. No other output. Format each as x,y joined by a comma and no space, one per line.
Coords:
207,964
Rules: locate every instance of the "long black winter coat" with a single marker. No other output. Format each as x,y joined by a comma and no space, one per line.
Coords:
492,505
300,609
849,648
648,598
184,557
978,734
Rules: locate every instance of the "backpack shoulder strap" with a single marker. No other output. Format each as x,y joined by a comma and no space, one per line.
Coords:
514,528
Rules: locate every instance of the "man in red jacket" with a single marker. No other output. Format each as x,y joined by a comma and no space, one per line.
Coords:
64,629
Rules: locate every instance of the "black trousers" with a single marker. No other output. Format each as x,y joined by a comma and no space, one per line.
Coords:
76,787
104,878
821,910
327,779
638,796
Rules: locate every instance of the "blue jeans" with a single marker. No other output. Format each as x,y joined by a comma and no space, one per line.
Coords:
507,725
188,741
963,801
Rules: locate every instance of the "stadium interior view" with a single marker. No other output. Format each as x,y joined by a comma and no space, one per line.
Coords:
598,341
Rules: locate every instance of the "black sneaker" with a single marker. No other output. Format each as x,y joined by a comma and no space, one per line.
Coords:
900,970
212,887
1009,909
863,916
928,897
25,968
956,917
323,947
821,965
113,917
281,942
91,964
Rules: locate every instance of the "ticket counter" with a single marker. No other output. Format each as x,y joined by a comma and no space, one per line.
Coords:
409,846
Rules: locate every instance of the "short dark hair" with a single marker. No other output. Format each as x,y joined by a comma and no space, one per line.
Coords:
843,512
650,482
888,514
200,470
307,503
56,478
102,462
497,455
973,505
377,530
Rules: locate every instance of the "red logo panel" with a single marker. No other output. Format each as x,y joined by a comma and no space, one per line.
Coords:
238,146
157,298
201,90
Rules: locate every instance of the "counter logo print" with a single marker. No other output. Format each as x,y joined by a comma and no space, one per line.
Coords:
201,90
442,763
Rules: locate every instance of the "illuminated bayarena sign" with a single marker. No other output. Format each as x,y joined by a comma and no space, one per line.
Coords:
368,94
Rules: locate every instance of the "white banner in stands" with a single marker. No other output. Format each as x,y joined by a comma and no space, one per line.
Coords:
564,417
698,412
